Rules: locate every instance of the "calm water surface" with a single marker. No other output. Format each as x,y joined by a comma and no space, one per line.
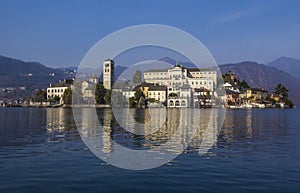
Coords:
257,151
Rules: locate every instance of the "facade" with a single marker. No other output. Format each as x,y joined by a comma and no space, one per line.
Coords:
59,89
203,98
151,91
178,76
158,93
182,84
94,80
180,96
128,93
108,74
88,91
229,86
256,94
56,91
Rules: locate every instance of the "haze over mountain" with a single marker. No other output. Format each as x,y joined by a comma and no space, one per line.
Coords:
16,73
173,62
287,64
267,77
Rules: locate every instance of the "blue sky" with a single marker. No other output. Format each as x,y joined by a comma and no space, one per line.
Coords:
59,33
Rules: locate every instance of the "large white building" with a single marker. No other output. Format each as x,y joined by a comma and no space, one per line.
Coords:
182,83
178,76
56,91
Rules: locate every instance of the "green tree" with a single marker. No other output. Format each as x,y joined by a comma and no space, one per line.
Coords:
244,84
138,99
56,99
107,97
67,96
151,100
138,94
132,102
273,101
137,77
100,93
40,96
282,91
288,103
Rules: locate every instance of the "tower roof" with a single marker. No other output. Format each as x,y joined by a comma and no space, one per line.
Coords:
108,60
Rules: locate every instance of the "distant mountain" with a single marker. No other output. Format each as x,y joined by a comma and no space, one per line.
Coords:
286,64
267,77
69,68
173,62
16,73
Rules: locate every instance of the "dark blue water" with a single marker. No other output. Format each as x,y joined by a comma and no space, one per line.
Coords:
257,151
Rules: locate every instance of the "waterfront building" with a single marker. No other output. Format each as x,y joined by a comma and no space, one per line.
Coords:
128,93
88,91
182,84
178,76
203,98
153,91
57,91
231,87
256,94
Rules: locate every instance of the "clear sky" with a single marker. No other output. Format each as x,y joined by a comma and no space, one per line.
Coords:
60,32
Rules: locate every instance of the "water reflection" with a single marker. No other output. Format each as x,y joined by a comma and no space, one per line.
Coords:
60,125
107,131
249,123
253,124
157,137
175,131
21,126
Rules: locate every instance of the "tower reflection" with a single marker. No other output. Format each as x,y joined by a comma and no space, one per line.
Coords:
175,131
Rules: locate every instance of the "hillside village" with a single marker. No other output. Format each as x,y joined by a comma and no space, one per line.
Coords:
175,87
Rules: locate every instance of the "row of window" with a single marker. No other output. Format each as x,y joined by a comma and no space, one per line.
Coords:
164,73
203,72
177,103
155,73
52,96
55,90
196,82
150,93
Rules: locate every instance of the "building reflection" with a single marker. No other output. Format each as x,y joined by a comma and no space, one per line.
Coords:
249,123
107,130
167,130
172,130
58,122
238,124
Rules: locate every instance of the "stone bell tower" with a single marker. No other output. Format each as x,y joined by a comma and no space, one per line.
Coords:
108,74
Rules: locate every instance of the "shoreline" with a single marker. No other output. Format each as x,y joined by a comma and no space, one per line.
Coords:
108,106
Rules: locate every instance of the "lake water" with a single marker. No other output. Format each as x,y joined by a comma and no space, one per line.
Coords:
42,151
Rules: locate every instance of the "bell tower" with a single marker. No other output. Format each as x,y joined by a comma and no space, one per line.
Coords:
108,74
